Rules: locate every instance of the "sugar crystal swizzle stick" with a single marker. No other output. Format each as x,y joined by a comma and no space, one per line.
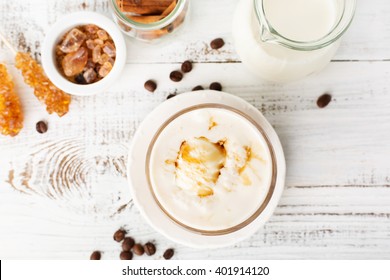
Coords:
11,114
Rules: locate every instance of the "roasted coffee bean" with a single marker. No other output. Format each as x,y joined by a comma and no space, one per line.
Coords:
324,100
197,88
126,255
171,95
186,66
119,235
41,127
217,43
176,76
168,254
95,256
138,249
127,244
216,86
150,249
150,86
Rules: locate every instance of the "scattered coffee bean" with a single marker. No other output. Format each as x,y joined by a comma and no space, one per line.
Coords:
95,256
197,88
150,249
216,86
186,67
171,95
217,43
41,127
150,85
126,255
168,254
138,249
119,235
176,76
128,244
324,100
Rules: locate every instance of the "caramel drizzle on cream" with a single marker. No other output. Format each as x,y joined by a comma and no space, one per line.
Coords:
199,160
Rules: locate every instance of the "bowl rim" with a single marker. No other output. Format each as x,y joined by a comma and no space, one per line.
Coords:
55,34
137,177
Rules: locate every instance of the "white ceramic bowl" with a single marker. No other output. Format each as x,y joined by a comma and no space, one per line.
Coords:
138,161
57,32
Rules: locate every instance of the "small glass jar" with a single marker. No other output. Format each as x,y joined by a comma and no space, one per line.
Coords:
150,31
279,57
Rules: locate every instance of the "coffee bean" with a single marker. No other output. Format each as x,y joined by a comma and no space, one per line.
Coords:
150,85
168,254
95,256
150,249
171,95
176,76
138,249
197,88
216,86
126,255
217,43
119,235
127,244
324,100
186,66
41,127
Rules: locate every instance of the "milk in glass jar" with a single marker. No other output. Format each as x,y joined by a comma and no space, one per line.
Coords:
286,40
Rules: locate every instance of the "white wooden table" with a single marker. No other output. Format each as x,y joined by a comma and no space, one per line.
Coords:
64,193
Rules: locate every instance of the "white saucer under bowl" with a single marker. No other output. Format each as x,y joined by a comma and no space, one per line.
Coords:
143,195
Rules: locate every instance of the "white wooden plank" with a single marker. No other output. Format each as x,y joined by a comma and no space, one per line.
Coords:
343,144
26,23
294,231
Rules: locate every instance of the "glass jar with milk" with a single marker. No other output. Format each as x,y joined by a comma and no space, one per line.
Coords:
286,40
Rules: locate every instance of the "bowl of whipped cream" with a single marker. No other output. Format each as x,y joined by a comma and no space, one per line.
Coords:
206,170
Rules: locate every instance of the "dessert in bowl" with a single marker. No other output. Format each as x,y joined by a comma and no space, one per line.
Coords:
210,169
206,169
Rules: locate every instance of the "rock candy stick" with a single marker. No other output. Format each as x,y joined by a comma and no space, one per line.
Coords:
11,114
55,99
